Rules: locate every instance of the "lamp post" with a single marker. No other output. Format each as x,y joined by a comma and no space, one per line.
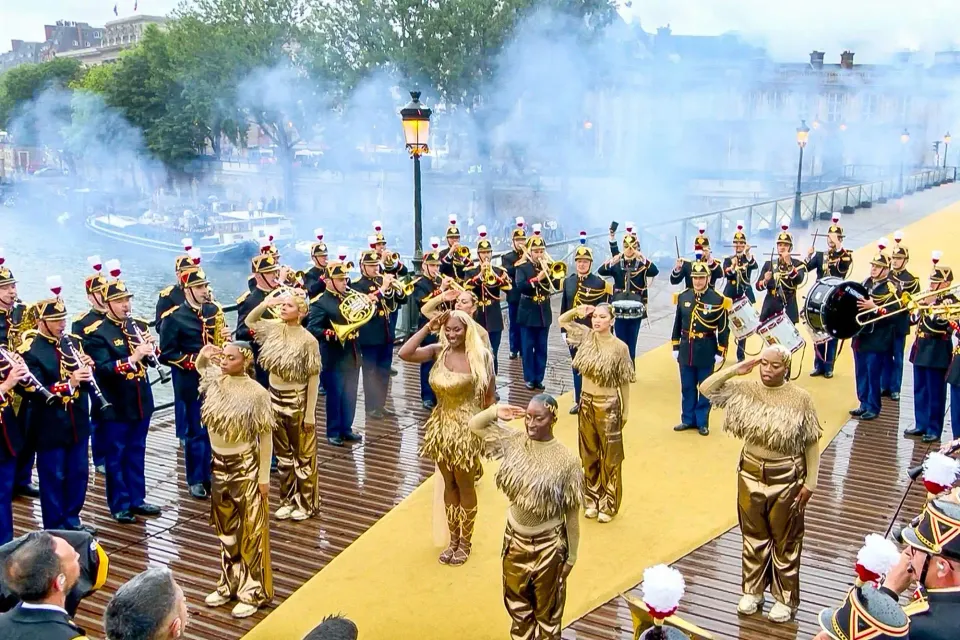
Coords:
946,146
904,139
803,134
416,132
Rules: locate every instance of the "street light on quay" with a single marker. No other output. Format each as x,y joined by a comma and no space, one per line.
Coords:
904,139
803,134
416,132
946,146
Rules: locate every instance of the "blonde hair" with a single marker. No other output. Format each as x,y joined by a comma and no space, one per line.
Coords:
479,357
785,354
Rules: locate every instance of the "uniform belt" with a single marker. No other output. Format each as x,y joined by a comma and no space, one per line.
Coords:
484,303
698,334
536,298
933,336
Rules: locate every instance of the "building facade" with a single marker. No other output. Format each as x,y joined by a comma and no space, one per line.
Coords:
118,35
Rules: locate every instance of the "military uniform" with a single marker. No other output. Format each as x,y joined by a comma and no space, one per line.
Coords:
11,326
125,423
684,272
425,289
833,264
11,442
185,330
631,281
534,316
375,339
590,289
35,622
892,376
341,360
872,344
397,269
867,612
313,278
700,335
94,285
509,262
489,314
250,300
452,265
60,430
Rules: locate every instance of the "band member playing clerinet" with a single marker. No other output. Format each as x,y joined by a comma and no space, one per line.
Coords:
510,261
238,413
836,262
683,270
906,282
607,370
581,288
488,283
738,270
291,356
462,378
632,274
780,278
778,474
13,373
544,483
536,282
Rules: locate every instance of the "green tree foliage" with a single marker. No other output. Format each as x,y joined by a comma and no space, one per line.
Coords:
25,83
94,79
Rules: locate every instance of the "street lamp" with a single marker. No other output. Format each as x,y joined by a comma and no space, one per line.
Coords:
904,139
946,145
416,132
803,134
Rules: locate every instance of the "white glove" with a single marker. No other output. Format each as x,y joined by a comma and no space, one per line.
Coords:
718,359
676,356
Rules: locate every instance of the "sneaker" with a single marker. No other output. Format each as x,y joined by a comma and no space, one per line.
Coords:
216,599
779,612
243,610
604,517
749,604
283,513
590,513
868,415
296,515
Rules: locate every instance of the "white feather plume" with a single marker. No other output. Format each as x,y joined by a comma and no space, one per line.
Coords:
377,225
95,263
520,221
318,232
112,266
434,241
940,469
194,253
836,218
453,221
936,255
883,242
482,230
54,282
898,235
536,228
342,252
878,554
662,587
187,242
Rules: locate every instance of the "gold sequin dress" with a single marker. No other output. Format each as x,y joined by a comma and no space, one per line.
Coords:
448,440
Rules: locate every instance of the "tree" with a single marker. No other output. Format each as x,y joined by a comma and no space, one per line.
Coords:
94,79
24,84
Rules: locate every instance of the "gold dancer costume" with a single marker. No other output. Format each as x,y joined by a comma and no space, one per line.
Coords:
447,438
607,370
544,483
778,472
239,418
292,357
465,301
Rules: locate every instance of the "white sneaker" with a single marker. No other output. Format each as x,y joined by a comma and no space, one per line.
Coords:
590,513
780,612
243,610
604,518
283,513
749,604
216,599
296,515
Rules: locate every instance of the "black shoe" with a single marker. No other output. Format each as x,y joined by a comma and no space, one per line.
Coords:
89,528
868,415
538,385
913,432
815,373
388,413
199,491
927,439
828,375
376,414
353,437
514,355
323,391
575,408
393,372
28,490
429,404
895,396
704,431
859,411
100,469
146,509
530,385
683,427
336,441
125,517
884,394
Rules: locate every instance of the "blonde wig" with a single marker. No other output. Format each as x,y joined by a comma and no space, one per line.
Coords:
786,356
478,355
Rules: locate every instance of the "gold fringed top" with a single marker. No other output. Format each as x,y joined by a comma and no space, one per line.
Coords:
235,408
780,419
600,357
289,351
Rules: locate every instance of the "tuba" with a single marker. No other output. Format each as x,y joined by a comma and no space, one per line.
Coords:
357,309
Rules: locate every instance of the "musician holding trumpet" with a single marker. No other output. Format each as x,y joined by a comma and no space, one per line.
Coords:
13,373
537,279
581,288
122,349
510,261
455,259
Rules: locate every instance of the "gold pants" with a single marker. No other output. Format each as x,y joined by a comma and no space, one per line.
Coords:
601,451
296,451
532,589
772,529
239,515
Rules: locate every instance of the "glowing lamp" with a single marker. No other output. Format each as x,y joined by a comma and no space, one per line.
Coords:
803,133
905,137
416,125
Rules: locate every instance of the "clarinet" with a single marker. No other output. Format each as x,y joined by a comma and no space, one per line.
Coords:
153,357
94,387
31,379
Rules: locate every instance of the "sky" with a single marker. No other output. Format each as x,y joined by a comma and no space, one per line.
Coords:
789,29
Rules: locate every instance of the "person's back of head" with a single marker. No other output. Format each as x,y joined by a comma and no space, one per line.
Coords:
334,628
150,606
31,570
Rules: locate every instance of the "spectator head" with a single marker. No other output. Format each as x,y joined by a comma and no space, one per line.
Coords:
42,569
334,628
150,606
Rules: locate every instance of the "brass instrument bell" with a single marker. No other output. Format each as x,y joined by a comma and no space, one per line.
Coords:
357,309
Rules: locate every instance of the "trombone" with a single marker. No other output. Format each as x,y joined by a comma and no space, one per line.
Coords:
906,303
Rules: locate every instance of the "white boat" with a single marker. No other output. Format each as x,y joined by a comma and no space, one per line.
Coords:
222,236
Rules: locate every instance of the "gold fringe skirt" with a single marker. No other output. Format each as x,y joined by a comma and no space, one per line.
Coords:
449,442
296,451
239,515
533,591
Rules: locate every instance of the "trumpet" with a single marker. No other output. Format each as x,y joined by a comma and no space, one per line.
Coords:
357,309
30,380
153,358
907,303
390,261
453,284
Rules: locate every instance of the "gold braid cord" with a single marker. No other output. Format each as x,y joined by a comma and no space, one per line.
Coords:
236,408
289,351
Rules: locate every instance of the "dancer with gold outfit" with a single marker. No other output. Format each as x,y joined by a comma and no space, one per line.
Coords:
778,473
605,365
239,418
462,379
291,355
544,483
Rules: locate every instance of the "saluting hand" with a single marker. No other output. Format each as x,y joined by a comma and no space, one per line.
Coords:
438,321
745,367
509,412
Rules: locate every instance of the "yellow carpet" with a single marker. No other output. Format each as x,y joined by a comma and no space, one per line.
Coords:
679,492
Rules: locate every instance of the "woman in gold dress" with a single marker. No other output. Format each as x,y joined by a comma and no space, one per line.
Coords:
544,483
777,474
462,378
606,367
292,357
239,418
465,301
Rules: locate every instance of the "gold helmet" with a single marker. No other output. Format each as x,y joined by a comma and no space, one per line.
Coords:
95,282
940,273
519,232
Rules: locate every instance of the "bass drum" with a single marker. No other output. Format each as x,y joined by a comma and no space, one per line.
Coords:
831,307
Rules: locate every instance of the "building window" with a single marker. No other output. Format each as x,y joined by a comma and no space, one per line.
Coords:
871,107
96,35
835,107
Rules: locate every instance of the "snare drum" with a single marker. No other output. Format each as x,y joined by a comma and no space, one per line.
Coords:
831,307
780,330
744,318
628,309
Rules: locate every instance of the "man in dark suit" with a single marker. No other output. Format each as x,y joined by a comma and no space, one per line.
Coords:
683,270
582,287
488,283
906,282
267,275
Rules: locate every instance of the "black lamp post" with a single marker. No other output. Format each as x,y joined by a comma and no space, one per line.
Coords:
416,132
803,134
904,139
946,146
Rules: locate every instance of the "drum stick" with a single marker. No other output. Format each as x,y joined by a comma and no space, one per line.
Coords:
676,243
816,234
